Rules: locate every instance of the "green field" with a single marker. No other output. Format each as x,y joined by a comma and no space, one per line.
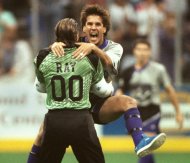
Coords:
110,158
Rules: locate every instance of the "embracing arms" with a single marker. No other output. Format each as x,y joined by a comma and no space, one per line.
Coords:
101,89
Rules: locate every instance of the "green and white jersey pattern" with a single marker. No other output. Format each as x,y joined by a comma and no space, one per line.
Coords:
67,80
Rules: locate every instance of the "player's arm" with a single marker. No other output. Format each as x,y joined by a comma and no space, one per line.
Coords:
173,98
172,95
58,48
40,87
110,58
39,81
102,88
99,86
84,49
87,48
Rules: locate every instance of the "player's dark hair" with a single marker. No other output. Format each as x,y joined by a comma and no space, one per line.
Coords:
66,31
141,41
96,10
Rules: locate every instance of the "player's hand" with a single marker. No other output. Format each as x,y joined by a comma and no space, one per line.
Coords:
57,48
179,120
83,50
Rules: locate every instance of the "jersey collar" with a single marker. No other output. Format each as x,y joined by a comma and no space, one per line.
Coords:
142,68
105,43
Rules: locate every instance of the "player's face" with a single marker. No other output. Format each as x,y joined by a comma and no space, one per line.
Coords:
94,29
142,53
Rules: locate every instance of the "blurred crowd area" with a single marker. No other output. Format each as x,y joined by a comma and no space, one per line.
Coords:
155,20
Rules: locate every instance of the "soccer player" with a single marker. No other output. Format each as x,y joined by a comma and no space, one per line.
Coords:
68,82
143,81
95,22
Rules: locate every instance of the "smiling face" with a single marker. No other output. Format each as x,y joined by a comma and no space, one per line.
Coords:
94,29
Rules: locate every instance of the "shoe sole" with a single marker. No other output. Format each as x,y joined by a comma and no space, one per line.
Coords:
157,142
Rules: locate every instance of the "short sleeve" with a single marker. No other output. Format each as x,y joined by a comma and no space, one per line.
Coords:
38,73
164,77
99,73
115,52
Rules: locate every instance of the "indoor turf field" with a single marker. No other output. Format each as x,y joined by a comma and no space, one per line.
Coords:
116,150
109,157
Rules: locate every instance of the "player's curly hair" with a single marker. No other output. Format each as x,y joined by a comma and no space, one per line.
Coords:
66,31
96,10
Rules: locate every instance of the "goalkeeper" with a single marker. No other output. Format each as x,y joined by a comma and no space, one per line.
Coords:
67,82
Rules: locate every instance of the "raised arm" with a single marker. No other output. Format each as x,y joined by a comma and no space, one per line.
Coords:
110,57
87,48
84,49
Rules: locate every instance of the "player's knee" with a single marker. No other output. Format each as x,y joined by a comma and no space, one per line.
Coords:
127,102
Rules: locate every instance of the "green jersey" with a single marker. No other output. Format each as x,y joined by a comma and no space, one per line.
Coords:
67,80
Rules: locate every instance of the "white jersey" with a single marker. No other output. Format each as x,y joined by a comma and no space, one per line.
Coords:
114,51
144,84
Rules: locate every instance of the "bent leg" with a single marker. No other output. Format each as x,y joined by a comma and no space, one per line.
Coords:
114,107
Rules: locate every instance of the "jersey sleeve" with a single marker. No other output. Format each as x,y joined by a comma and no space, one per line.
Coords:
98,73
40,81
115,52
99,85
38,61
164,77
38,73
40,87
102,88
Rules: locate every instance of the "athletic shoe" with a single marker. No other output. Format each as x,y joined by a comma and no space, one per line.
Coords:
149,144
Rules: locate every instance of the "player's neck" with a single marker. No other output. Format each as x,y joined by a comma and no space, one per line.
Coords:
140,65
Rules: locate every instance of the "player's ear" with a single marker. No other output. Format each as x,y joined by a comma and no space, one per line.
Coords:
104,29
